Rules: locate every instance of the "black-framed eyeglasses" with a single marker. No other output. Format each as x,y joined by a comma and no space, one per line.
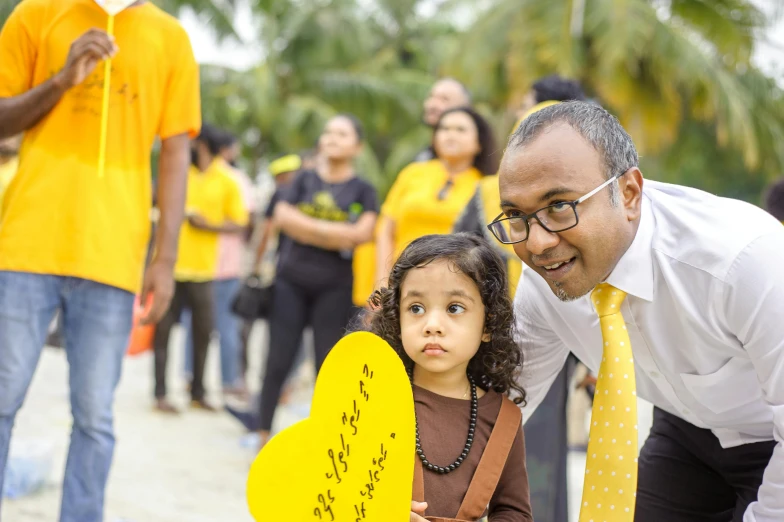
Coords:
557,217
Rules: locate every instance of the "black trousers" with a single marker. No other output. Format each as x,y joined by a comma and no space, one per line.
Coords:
198,297
686,476
327,310
546,450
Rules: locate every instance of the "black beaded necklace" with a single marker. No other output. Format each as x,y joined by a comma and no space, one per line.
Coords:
469,441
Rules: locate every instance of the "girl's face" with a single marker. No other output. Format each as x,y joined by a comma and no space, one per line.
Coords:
442,318
456,138
339,141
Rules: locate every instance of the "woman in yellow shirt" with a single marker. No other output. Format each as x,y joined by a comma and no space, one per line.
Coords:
428,197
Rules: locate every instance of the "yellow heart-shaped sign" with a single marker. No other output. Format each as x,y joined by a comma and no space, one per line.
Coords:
112,7
353,458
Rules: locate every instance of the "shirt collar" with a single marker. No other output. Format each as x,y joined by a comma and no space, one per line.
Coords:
634,272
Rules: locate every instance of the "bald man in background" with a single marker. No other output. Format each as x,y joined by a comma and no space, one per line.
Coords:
446,93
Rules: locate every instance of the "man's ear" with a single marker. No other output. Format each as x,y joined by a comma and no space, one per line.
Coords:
631,193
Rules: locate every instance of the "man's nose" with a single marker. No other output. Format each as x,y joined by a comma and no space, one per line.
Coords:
540,240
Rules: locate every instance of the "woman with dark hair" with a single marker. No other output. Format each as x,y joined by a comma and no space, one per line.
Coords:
322,216
428,197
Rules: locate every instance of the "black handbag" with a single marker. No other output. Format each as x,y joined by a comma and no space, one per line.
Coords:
253,301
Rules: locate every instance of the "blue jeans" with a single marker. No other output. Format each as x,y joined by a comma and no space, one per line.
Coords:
96,323
228,326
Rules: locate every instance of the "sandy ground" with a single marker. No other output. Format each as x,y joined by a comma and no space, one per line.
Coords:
190,468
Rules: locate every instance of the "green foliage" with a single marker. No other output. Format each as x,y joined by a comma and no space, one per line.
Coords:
6,6
677,73
694,160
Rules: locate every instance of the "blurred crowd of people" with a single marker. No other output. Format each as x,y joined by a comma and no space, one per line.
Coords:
321,242
311,252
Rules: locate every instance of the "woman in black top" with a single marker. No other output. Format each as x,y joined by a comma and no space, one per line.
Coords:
323,215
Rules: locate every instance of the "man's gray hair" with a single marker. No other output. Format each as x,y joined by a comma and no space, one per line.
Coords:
597,126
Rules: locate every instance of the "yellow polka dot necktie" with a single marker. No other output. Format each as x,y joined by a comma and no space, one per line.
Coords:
611,465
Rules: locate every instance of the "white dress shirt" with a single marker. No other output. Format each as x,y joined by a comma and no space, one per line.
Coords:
705,315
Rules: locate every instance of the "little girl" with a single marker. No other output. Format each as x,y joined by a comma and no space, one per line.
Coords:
448,315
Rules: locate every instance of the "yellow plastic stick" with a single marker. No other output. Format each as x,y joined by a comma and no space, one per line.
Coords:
107,77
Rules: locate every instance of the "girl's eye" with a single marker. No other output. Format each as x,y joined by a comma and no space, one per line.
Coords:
456,309
416,309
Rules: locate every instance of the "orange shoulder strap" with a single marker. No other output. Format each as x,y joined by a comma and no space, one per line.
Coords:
492,463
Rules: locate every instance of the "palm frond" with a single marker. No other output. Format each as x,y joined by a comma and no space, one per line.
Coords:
218,15
729,25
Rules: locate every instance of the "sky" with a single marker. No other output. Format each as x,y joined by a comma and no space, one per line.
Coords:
767,56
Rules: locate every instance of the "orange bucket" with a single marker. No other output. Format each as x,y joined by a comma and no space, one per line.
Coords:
141,335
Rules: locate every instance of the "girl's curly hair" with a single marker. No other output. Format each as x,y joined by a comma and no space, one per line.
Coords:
498,363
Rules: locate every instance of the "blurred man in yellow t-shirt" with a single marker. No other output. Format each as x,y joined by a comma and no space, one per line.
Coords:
9,164
214,205
72,240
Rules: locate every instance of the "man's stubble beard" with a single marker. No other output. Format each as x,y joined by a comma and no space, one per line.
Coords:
562,295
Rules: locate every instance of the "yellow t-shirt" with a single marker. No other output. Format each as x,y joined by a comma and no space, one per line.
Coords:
216,196
58,217
413,202
7,173
364,267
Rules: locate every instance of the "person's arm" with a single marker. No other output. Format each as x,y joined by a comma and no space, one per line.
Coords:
266,234
320,233
227,227
172,184
20,112
267,231
511,500
364,227
235,213
180,120
385,248
751,302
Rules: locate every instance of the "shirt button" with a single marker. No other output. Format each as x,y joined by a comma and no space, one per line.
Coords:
655,375
686,412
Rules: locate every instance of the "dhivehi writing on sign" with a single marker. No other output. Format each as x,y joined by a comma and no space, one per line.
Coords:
353,458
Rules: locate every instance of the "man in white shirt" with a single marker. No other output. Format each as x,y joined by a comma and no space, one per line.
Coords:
704,278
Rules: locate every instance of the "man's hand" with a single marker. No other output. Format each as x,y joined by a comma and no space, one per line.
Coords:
158,283
85,53
588,380
418,511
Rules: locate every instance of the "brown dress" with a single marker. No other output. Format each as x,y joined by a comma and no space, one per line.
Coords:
492,480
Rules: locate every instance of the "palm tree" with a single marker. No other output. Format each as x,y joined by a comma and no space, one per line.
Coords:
322,59
6,6
653,63
218,15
